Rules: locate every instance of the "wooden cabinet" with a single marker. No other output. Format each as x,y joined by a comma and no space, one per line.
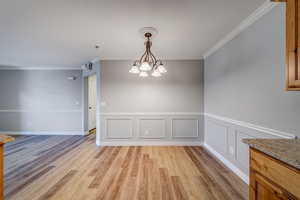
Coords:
1,172
271,179
3,139
292,45
263,189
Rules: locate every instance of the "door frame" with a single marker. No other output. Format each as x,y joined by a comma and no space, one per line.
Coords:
89,100
85,109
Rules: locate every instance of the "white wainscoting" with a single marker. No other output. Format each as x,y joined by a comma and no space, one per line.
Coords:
185,127
119,129
154,128
223,138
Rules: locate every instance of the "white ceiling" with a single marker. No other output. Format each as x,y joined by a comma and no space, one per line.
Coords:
63,33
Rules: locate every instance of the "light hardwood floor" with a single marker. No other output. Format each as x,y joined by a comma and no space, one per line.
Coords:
74,168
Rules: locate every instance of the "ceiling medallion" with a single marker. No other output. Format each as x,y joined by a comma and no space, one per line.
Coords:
148,63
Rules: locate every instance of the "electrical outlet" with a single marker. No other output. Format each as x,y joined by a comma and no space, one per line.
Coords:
146,132
231,150
103,103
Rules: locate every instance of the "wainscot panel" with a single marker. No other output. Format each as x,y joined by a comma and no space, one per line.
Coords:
151,129
185,127
223,138
118,128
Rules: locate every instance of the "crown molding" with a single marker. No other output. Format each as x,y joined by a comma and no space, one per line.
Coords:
266,7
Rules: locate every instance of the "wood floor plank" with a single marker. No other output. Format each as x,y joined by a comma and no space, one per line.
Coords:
58,186
74,168
167,192
179,190
28,181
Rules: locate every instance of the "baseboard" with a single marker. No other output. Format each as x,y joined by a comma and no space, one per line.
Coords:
42,132
228,164
149,143
98,143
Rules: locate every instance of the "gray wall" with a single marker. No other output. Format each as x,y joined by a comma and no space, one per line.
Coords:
245,80
180,90
152,111
245,93
40,100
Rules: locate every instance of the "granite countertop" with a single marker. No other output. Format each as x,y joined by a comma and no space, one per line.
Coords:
285,150
5,139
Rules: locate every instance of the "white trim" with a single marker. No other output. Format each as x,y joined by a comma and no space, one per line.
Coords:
228,164
253,126
149,113
31,67
172,127
106,135
266,7
150,143
98,143
38,111
95,60
139,128
42,132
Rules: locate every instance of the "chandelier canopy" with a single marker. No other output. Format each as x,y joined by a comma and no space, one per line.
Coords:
148,63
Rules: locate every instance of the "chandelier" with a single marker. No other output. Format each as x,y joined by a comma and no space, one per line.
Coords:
148,63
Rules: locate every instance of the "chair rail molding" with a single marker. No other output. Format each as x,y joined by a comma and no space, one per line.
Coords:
34,67
269,131
39,111
43,132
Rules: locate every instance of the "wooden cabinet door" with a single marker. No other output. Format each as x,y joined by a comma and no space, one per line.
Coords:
292,45
262,189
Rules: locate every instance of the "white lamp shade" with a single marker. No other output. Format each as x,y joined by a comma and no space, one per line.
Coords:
156,73
143,74
161,69
134,70
145,66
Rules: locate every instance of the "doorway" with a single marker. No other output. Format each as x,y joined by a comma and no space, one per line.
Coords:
92,103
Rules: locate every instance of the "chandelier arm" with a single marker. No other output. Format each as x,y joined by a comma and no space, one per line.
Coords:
154,59
141,59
